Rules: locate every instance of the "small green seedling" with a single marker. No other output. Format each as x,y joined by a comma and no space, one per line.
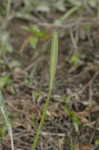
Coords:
97,142
75,59
35,34
71,114
4,80
75,120
3,131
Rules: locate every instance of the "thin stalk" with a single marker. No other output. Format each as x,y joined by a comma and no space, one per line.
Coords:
53,64
37,137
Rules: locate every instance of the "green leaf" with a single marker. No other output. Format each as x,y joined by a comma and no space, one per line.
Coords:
76,120
36,31
3,131
75,59
31,28
97,142
4,80
34,42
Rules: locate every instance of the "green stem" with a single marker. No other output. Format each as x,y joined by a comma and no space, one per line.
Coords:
42,122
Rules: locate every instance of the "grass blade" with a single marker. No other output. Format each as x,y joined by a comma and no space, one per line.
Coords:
53,61
53,64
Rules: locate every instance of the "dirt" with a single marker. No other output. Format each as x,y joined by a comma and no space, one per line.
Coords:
76,88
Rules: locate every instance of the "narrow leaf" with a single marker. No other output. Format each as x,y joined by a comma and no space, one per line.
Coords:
54,58
4,81
53,64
